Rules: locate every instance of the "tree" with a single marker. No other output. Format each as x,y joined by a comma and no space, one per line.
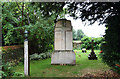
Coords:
107,13
20,15
80,34
74,34
36,18
86,41
99,41
94,11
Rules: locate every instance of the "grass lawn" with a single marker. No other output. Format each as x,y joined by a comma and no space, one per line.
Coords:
43,68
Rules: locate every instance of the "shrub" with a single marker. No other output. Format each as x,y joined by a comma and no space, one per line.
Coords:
87,45
7,71
13,56
18,74
111,47
40,56
86,41
34,57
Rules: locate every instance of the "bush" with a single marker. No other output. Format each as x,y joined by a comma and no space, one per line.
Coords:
86,41
87,45
111,47
34,57
40,45
40,56
7,71
111,58
18,74
13,56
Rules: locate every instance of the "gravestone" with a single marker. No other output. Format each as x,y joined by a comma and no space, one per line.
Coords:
92,55
63,47
83,50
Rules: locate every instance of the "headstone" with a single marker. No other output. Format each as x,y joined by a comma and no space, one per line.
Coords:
92,55
83,50
63,47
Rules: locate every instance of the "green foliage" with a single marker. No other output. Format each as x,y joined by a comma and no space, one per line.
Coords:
8,72
13,56
111,47
18,16
37,18
40,56
95,11
10,21
74,34
41,36
98,42
86,42
54,8
78,35
18,74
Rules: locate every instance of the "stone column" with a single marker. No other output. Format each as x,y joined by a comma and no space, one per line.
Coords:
63,46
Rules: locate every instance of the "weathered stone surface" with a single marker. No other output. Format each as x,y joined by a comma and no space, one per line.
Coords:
63,46
58,41
63,57
69,44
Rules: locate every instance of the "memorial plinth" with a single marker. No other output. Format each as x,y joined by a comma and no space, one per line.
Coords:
63,47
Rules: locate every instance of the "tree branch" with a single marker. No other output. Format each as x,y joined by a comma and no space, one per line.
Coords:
18,6
22,12
28,18
28,15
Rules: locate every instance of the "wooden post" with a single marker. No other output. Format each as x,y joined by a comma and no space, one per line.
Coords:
26,59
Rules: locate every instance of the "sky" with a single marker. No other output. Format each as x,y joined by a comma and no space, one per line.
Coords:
94,30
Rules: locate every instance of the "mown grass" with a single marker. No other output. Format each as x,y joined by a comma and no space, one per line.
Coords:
43,68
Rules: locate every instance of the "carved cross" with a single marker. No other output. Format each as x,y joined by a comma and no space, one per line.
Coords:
92,43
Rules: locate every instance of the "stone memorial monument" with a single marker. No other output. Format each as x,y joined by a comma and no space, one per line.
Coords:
63,47
83,50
